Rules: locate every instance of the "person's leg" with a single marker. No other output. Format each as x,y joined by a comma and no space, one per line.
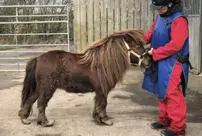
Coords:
177,112
163,120
163,116
176,104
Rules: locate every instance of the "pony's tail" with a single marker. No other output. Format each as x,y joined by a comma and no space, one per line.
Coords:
29,84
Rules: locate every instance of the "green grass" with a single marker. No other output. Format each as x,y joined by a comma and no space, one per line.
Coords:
7,47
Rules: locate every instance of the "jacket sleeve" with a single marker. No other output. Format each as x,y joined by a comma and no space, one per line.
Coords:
179,33
148,34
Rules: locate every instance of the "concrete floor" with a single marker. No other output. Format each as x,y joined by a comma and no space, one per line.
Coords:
131,108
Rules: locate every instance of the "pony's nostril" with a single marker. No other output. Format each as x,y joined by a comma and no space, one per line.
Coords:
141,57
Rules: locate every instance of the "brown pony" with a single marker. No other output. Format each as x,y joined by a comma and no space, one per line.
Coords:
98,70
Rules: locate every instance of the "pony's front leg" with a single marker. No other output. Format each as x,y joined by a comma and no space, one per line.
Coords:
44,97
99,113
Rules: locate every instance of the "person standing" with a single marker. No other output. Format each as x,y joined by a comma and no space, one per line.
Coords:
169,40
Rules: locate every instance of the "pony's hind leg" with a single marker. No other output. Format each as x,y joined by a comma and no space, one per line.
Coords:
99,113
27,107
44,97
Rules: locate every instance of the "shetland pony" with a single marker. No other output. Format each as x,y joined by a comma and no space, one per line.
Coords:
98,69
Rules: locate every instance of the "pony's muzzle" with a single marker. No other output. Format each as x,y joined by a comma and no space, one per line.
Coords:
145,60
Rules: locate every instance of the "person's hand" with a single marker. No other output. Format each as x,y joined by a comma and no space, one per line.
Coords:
150,51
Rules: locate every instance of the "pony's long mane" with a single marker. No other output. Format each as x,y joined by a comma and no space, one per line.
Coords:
108,57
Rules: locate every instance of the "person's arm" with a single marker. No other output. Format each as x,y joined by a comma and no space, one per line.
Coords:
179,33
148,34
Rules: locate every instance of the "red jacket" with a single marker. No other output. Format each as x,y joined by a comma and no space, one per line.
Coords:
179,33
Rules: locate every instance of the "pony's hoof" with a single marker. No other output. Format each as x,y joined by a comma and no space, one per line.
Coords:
48,123
25,121
107,122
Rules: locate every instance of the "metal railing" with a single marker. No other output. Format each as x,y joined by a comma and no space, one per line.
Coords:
16,34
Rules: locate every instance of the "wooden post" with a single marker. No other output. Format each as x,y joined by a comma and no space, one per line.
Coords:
117,15
137,14
103,18
110,9
77,25
144,19
123,14
131,9
97,20
150,15
83,24
90,23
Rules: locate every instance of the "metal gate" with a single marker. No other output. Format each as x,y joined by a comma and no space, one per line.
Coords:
192,9
17,46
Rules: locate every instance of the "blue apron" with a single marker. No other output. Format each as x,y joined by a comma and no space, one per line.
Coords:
160,37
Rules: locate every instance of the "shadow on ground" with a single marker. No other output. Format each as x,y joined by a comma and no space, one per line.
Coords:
143,98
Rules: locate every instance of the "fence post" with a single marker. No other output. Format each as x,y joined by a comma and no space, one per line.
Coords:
77,25
83,29
68,32
200,39
16,32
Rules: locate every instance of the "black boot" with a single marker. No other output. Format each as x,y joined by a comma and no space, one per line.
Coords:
168,132
157,125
